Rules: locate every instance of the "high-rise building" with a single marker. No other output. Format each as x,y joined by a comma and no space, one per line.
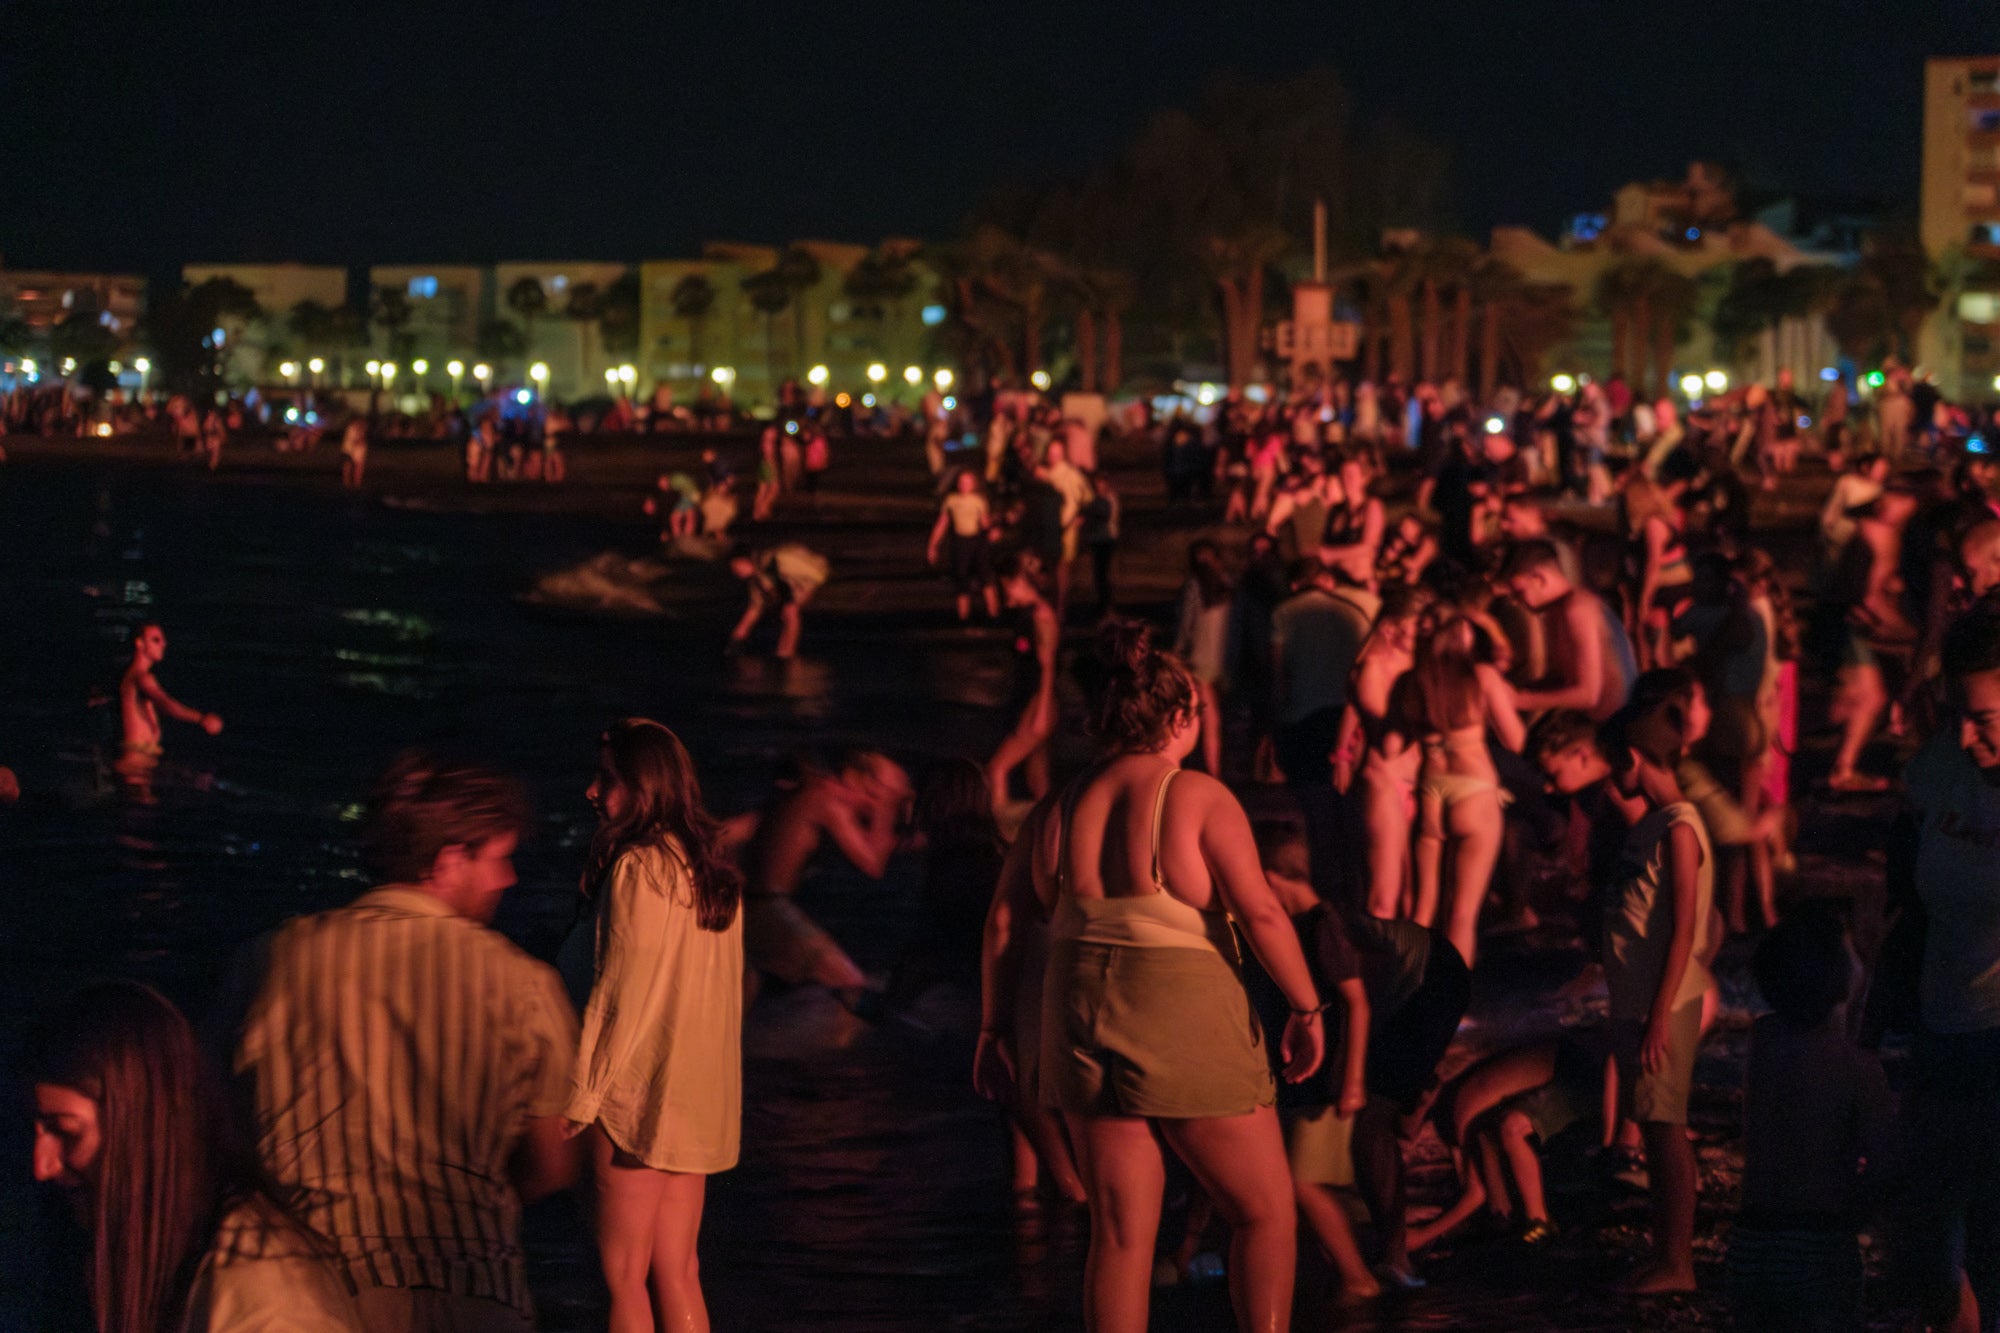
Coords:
1960,218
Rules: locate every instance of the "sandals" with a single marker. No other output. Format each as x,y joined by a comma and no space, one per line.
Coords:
1538,1233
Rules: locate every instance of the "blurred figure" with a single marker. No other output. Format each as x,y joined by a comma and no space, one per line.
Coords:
409,1067
186,1234
140,701
783,578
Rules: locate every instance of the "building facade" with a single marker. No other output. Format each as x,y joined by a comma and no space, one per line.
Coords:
1959,221
443,306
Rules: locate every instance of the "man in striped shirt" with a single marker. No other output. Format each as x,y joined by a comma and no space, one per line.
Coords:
409,1066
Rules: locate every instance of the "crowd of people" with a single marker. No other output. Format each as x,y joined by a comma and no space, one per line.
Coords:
1508,663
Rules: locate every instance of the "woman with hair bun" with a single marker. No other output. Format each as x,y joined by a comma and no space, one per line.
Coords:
659,1079
1139,870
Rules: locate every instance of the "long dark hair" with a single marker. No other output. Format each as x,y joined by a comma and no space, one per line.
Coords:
955,808
1447,676
653,766
166,1157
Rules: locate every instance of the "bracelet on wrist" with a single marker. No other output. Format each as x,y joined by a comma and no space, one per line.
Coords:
1313,1012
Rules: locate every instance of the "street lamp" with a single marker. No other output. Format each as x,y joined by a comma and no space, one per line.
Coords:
817,376
420,368
1716,380
388,373
1691,386
877,372
539,373
943,380
454,368
1040,379
611,378
1563,383
628,375
374,369
913,375
143,366
316,365
289,369
482,372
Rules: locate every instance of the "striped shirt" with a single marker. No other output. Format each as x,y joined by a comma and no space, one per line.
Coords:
396,1051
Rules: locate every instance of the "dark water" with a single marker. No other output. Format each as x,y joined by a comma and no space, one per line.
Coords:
330,631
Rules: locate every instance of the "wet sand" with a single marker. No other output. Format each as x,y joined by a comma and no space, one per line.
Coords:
330,628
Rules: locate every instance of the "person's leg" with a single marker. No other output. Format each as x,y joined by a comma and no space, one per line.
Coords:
964,603
1044,1132
1240,1161
1327,1221
1492,1174
1862,698
628,1212
1388,839
1124,1176
792,622
1670,1163
1474,825
1429,855
1378,1170
676,1279
1517,1134
1472,1197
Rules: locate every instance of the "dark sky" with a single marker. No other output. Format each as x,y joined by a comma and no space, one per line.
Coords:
141,135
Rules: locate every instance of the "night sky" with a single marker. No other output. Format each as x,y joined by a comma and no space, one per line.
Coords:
138,136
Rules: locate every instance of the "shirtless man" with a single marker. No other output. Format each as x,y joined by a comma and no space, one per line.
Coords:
140,697
1588,650
858,810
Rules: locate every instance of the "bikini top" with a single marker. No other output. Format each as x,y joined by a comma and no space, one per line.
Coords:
1156,920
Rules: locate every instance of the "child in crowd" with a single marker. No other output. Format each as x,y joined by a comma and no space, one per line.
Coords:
1816,1117
1656,928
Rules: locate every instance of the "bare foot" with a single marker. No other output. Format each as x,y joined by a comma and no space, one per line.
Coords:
1358,1289
1657,1281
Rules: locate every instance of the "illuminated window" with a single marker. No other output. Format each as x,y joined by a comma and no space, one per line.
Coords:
425,287
933,314
559,283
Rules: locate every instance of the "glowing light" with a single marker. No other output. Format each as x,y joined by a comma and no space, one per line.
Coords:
1691,385
1205,395
818,375
288,368
722,374
877,372
28,366
611,375
316,365
482,372
791,428
454,368
1563,383
115,367
539,372
523,397
842,400
628,375
950,403
913,375
932,315
374,367
104,428
421,366
142,365
1876,379
292,414
1716,380
868,400
388,372
68,365
1496,425
1040,379
219,336
1829,373
943,379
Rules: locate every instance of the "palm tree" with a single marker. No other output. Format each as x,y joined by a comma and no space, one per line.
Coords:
770,293
693,297
1672,295
800,273
1238,263
17,336
585,308
501,341
391,313
618,318
526,299
881,280
1620,293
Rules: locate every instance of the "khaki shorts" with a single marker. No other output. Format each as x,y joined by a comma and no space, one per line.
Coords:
1320,1146
1165,1033
1663,1097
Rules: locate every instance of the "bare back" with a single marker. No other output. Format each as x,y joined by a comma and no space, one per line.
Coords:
1109,849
